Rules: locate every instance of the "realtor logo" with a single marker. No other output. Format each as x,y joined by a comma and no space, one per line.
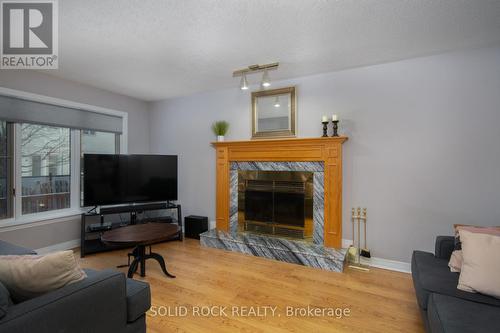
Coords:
29,37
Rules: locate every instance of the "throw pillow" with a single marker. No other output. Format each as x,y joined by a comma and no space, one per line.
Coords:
472,228
480,267
29,276
455,263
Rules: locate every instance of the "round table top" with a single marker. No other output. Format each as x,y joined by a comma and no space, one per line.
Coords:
141,234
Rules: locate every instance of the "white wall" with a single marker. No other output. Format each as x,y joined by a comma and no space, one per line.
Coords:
48,233
423,150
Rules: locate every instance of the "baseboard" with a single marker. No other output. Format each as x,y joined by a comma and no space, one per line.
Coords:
59,247
392,265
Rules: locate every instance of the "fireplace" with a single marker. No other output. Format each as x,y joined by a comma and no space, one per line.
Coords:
280,199
278,203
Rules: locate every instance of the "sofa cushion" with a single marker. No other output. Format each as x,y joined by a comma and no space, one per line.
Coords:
138,299
138,296
11,249
444,246
451,314
95,304
432,275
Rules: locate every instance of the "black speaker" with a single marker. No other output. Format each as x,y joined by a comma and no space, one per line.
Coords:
195,225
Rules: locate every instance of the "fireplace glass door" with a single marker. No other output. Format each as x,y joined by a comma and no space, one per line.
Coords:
258,206
289,209
276,203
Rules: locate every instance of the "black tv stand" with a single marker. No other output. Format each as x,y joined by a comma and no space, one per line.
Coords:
94,223
133,217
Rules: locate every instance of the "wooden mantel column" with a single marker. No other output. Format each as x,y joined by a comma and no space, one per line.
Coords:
326,150
223,188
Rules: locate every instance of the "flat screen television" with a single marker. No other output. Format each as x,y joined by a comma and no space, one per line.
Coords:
120,179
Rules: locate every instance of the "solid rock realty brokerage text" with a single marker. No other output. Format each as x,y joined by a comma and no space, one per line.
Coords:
248,311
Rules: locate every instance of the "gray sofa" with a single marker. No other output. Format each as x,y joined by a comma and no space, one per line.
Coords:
445,308
106,301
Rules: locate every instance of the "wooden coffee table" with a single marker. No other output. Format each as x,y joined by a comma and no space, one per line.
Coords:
140,236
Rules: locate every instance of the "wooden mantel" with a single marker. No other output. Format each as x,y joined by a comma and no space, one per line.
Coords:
327,150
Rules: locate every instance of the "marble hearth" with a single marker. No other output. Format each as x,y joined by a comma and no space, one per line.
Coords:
322,158
291,251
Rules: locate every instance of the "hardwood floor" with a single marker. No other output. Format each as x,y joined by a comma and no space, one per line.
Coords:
378,301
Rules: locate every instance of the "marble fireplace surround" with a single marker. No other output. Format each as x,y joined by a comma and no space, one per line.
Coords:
323,157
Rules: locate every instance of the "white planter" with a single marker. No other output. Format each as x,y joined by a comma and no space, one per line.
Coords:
220,138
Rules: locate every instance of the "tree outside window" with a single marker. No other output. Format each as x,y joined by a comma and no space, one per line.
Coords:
45,168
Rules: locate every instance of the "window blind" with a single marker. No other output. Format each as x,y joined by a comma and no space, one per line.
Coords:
23,111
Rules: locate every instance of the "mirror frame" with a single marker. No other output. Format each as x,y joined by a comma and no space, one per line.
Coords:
293,114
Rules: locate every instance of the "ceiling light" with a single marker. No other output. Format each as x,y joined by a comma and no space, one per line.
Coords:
253,69
244,82
277,102
265,79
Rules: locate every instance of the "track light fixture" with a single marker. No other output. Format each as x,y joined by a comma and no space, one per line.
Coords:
244,82
265,79
265,82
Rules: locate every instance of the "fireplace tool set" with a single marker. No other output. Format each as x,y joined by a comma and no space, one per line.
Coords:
358,216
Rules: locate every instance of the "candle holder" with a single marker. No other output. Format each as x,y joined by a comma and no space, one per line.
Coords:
325,128
335,127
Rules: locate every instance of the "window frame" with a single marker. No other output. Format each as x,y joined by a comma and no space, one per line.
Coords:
117,139
21,221
75,169
10,184
18,214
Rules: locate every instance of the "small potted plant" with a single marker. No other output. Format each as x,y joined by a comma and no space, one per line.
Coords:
220,129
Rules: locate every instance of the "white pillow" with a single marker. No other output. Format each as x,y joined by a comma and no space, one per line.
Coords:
28,276
481,266
456,259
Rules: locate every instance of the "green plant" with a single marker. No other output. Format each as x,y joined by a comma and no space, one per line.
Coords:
220,127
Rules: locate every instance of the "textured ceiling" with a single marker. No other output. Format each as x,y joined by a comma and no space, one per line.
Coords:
158,49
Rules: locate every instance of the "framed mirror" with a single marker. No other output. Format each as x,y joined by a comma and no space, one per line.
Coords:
274,113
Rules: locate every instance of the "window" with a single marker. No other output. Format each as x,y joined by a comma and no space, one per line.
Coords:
6,203
45,168
93,142
41,145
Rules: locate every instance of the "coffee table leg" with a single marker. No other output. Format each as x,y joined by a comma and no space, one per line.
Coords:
140,258
160,260
142,255
133,267
136,253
